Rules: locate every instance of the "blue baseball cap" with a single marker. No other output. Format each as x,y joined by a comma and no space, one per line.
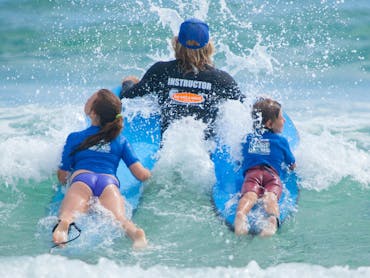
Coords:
193,30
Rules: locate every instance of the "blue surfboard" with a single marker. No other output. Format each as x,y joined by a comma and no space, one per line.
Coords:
229,179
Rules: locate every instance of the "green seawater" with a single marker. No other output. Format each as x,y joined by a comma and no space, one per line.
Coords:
311,55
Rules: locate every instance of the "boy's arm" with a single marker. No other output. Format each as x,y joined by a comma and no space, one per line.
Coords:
292,166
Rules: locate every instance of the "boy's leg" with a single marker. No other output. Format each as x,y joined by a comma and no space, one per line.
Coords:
270,201
246,202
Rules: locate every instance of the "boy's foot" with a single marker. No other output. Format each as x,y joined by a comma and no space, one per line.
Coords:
270,227
60,232
139,239
240,224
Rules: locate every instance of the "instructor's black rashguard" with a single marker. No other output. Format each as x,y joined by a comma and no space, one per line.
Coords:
190,94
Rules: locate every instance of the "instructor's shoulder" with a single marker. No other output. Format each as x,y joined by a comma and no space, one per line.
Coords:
224,76
163,64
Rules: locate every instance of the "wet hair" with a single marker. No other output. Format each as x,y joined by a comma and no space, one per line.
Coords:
107,106
193,60
264,109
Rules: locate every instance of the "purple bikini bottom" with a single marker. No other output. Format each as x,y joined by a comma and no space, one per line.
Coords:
97,182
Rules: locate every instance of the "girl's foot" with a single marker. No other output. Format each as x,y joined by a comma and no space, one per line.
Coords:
60,232
139,239
240,224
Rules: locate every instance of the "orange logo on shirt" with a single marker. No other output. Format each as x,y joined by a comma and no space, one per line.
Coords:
186,97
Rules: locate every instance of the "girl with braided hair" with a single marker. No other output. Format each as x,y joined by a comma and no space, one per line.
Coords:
90,159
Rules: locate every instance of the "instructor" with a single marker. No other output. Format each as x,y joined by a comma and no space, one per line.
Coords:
190,85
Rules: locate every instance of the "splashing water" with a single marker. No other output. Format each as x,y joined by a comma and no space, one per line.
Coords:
310,55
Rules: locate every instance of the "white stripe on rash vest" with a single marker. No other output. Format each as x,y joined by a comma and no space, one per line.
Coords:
189,83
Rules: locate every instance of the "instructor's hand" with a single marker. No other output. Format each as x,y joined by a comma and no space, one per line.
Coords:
131,78
127,83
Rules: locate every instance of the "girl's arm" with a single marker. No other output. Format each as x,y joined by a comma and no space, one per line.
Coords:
139,171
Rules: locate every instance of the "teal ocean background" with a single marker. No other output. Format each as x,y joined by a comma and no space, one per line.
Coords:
313,56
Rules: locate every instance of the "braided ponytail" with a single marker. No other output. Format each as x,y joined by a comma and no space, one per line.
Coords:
108,108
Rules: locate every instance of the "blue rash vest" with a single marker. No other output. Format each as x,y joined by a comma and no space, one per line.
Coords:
100,158
267,148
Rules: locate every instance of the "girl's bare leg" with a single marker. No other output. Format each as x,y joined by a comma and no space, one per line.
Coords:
112,200
75,201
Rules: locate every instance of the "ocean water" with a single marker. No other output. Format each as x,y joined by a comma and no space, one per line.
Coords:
313,56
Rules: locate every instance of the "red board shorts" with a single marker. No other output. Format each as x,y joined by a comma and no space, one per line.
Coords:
262,178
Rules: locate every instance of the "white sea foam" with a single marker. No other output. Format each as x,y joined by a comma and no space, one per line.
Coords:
32,138
333,148
168,17
234,122
173,18
57,266
186,153
252,61
144,106
325,159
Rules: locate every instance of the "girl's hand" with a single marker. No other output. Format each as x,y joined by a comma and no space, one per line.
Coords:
62,176
140,172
